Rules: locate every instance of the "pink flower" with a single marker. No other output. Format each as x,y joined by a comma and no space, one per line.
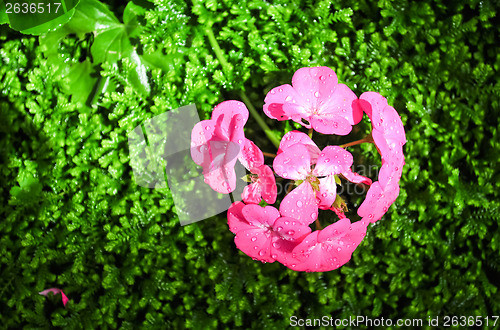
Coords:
388,134
316,97
263,181
295,163
216,144
377,201
55,291
330,248
262,233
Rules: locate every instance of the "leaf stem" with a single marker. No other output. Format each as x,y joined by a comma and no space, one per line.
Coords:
260,121
217,50
367,138
318,225
268,154
227,67
310,133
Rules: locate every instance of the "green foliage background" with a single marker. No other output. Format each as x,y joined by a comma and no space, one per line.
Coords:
72,217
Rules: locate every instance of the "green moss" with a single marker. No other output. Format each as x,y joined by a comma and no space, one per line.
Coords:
72,216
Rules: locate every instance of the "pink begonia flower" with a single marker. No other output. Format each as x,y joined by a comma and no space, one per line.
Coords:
317,97
377,201
55,291
295,163
294,137
388,134
263,182
330,248
262,233
216,144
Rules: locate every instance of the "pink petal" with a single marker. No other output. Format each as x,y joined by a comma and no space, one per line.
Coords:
329,248
372,102
291,229
298,112
55,291
327,192
341,102
300,204
333,160
255,243
235,219
276,98
377,201
220,175
356,178
315,84
294,163
252,193
200,135
330,124
268,184
391,170
294,137
251,156
260,216
229,110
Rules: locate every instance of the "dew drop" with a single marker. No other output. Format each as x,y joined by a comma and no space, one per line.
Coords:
290,232
207,127
322,78
254,239
299,203
287,222
324,194
279,228
240,141
274,256
285,174
327,160
255,247
339,249
261,253
316,94
288,98
314,215
276,245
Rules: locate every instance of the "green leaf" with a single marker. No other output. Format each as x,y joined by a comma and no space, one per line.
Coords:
37,17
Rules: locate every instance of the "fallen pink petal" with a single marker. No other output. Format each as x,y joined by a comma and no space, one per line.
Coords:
55,291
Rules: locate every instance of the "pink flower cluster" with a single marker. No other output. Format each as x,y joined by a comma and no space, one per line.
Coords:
317,101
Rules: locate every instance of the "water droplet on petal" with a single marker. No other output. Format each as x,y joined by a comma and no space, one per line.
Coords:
322,78
255,247
290,232
316,94
339,249
261,253
279,228
288,98
327,160
314,215
287,222
285,174
274,256
299,203
254,239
